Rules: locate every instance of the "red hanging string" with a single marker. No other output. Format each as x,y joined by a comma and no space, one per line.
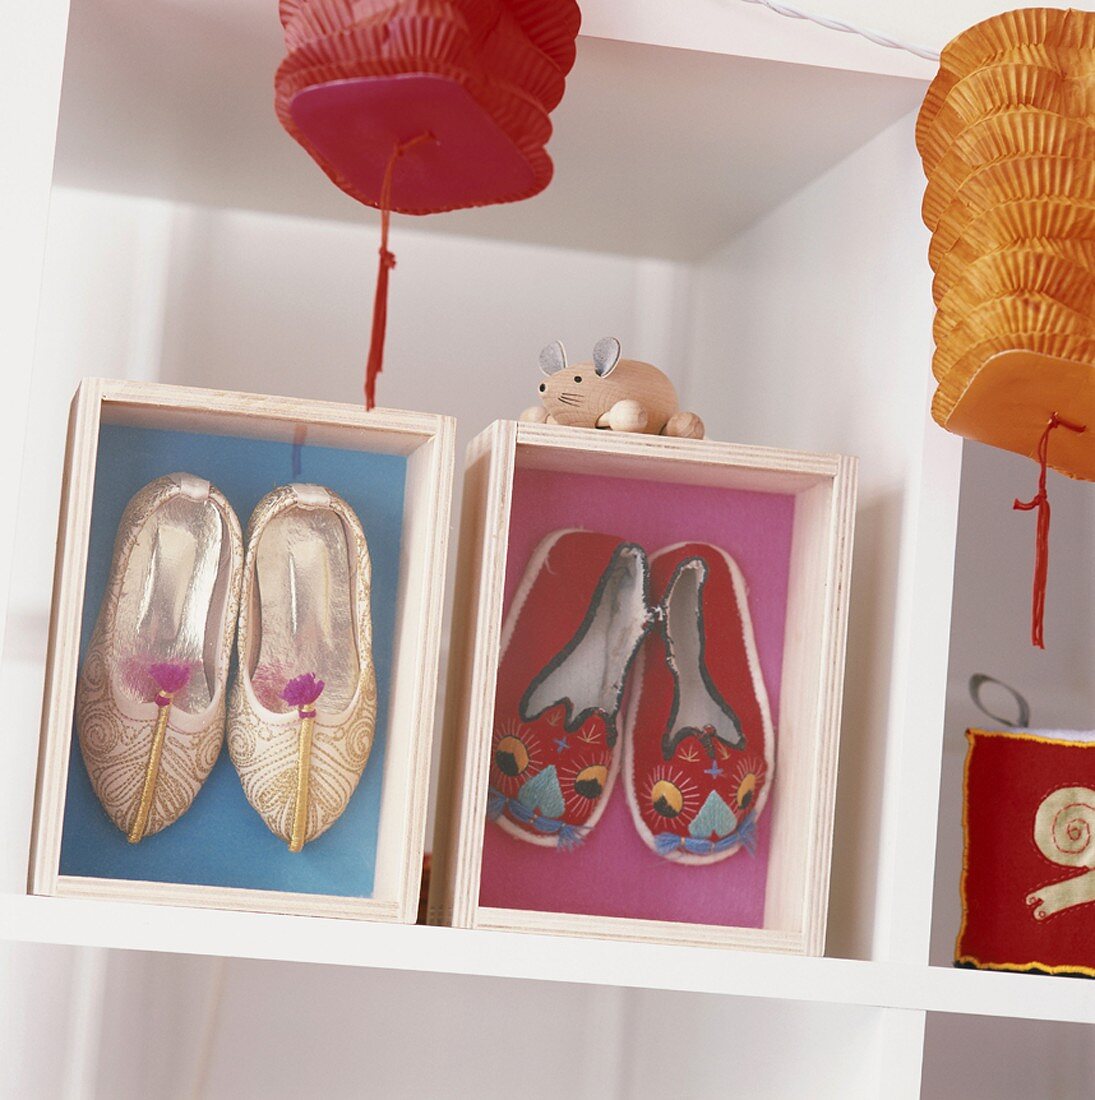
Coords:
1041,553
375,363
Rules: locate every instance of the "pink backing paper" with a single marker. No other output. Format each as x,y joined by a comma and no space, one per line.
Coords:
613,873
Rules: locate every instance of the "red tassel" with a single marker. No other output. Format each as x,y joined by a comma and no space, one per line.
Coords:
1041,552
375,363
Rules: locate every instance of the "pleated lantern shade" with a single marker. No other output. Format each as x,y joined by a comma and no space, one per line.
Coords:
424,106
1007,139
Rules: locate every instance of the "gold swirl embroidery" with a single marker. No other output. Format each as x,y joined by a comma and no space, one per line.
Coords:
282,787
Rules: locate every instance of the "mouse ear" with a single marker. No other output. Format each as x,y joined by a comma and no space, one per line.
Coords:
606,354
553,358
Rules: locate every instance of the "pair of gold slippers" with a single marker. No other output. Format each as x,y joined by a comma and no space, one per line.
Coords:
153,703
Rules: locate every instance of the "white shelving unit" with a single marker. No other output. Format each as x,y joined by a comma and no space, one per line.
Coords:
828,981
737,198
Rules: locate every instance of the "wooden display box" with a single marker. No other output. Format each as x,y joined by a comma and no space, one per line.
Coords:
815,495
402,463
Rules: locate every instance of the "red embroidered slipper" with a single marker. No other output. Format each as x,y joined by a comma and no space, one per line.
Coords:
699,743
574,627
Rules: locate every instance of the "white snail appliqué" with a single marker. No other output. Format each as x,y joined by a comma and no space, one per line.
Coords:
1064,830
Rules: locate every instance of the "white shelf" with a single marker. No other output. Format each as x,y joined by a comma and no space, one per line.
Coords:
659,151
772,163
545,958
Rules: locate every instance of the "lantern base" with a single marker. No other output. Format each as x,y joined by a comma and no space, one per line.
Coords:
351,127
1009,402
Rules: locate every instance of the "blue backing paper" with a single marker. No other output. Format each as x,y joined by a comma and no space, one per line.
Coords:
221,840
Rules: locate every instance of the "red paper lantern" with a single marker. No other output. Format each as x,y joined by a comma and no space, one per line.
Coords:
423,106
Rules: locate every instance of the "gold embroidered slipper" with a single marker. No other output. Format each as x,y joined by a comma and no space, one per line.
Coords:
150,698
302,711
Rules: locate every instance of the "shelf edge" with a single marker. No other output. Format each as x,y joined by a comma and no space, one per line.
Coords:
329,941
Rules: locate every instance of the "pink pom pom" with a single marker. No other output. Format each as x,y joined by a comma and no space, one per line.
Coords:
303,690
170,676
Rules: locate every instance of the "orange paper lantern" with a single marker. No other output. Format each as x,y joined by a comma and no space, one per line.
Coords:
1007,138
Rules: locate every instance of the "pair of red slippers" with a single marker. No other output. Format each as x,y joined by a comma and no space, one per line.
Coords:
607,651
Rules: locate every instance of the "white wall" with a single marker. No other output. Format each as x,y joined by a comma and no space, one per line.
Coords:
808,334
973,1057
42,1029
927,23
242,1029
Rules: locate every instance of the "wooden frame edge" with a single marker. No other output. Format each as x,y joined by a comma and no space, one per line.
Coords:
234,898
428,661
266,406
456,898
479,705
65,623
44,876
831,698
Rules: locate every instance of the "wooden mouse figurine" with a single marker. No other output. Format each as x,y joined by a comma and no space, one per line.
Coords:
621,394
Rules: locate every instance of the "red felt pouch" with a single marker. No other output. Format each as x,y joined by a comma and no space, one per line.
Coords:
1028,877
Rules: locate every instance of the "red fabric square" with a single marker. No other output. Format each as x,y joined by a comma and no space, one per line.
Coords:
1029,827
